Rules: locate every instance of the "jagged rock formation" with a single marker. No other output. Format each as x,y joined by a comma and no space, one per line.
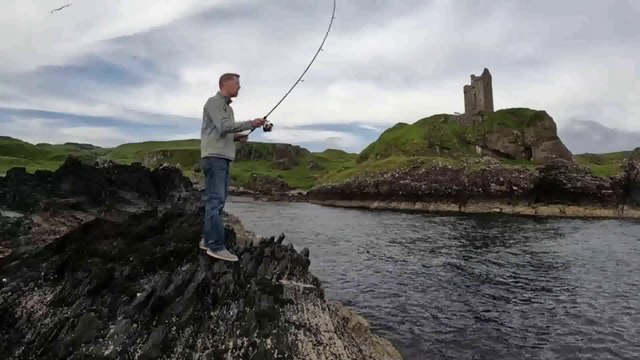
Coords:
106,185
496,188
267,185
286,154
537,142
630,180
104,263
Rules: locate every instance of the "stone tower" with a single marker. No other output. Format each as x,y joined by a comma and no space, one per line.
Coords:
478,96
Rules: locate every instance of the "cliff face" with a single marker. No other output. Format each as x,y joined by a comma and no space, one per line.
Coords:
284,156
538,141
104,263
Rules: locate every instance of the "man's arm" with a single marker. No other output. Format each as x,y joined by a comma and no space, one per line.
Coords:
222,120
240,137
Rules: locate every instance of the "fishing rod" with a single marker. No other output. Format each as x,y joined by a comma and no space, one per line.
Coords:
268,125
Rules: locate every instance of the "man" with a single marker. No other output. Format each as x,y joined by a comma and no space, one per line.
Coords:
218,136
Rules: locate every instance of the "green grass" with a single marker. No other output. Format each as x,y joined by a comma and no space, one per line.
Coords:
253,158
310,169
512,118
445,135
437,139
609,164
18,153
7,162
355,169
132,152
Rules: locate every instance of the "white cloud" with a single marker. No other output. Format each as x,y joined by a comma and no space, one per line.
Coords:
326,138
31,36
40,130
382,63
98,135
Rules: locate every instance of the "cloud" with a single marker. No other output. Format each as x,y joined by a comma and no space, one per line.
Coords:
42,130
48,127
33,37
316,140
582,136
383,62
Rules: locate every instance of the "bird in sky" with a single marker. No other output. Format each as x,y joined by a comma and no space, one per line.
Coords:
60,8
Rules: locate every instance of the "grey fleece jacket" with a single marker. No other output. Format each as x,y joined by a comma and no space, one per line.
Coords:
218,128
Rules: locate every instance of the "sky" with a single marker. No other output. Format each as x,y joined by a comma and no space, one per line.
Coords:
108,72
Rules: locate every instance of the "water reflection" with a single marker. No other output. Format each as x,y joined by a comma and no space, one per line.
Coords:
463,287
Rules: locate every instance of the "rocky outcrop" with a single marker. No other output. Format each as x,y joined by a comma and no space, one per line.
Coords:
104,263
283,153
537,142
563,182
267,185
558,187
282,156
630,181
182,157
109,185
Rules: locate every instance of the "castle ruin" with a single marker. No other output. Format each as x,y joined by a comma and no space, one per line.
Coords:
478,96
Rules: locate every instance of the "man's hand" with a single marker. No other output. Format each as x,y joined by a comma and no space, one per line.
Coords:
256,123
240,138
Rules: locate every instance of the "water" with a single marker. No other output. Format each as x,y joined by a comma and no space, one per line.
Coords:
473,287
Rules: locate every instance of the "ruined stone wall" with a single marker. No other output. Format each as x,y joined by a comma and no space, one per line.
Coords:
478,96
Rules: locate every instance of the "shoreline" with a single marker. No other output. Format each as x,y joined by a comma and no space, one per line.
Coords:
489,207
473,207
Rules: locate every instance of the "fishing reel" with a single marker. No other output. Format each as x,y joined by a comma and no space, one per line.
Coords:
266,127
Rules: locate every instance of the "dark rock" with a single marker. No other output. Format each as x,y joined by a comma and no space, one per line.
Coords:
563,182
97,185
558,181
265,184
16,172
290,154
284,164
103,162
631,187
314,166
440,183
101,279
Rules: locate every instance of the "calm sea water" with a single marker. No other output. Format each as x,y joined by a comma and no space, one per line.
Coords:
473,287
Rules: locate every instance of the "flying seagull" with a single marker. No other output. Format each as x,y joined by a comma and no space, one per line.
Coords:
60,8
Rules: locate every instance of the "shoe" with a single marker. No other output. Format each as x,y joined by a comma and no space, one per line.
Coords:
203,245
223,254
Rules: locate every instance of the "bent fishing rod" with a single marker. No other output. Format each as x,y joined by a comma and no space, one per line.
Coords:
268,125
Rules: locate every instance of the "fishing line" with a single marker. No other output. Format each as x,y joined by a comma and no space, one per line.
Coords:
268,125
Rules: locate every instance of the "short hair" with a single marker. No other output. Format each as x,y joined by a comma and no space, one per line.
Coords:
226,77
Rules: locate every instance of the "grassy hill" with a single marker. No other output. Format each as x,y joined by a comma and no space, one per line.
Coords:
607,164
444,134
299,167
437,139
14,152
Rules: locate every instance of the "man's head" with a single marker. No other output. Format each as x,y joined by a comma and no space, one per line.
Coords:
229,84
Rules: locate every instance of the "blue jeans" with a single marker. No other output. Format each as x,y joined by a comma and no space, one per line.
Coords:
216,182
